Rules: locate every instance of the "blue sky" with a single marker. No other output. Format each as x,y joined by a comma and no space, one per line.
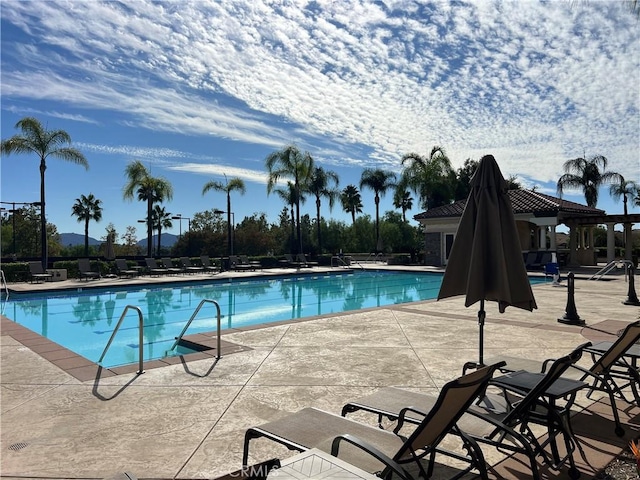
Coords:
200,89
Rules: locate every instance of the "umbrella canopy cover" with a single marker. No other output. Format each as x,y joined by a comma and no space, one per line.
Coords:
486,261
109,250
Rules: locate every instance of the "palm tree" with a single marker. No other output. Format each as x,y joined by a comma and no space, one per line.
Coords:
44,143
320,186
623,188
586,174
402,199
351,201
161,219
379,181
431,178
149,189
290,163
87,209
290,197
227,187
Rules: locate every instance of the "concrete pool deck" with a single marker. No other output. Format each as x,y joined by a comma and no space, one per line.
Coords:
187,420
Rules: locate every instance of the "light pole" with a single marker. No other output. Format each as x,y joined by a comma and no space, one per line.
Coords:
180,217
231,220
13,211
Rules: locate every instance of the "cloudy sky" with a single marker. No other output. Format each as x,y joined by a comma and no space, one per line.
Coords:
200,89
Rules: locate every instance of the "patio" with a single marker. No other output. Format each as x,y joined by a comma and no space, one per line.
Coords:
187,420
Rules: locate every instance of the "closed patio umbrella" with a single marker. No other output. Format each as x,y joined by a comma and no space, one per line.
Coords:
109,252
486,261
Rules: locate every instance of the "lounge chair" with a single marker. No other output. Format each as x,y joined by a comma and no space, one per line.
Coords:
188,267
153,268
614,369
368,447
171,268
123,269
289,261
84,267
235,263
502,421
37,272
253,264
302,259
208,265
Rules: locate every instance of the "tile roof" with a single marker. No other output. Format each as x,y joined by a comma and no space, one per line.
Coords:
522,201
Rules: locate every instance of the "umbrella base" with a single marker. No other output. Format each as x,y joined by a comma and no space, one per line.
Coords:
572,321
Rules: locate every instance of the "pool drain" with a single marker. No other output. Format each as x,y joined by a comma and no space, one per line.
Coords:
18,446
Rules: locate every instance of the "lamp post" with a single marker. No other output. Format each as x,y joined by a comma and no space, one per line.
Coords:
231,220
13,211
180,217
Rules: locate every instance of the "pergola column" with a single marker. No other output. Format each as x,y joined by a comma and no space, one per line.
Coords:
611,242
552,237
543,237
573,244
628,241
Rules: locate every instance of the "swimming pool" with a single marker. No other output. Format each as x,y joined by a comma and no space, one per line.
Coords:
83,321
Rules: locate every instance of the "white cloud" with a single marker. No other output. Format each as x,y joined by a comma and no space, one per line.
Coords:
534,83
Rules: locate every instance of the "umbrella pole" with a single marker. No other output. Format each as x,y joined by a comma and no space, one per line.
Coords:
481,316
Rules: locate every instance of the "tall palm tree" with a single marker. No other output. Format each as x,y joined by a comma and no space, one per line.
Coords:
44,143
87,209
623,188
323,183
431,178
149,189
402,199
291,164
227,187
291,198
351,201
589,175
379,181
161,219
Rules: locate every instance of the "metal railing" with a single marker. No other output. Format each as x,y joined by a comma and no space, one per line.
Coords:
3,282
193,316
141,336
609,267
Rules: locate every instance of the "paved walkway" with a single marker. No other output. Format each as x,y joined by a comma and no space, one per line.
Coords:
187,420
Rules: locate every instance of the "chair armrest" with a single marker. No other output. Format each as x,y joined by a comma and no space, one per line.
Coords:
403,414
371,450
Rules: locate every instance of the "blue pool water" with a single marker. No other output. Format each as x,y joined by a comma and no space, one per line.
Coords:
84,321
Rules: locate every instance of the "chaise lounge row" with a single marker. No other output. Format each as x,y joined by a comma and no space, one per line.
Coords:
477,408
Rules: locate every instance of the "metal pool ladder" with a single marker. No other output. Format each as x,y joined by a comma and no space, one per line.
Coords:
193,316
140,332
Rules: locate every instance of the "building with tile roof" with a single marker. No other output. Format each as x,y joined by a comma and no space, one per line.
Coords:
537,216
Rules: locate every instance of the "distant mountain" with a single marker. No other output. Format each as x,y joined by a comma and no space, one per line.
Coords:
167,240
73,239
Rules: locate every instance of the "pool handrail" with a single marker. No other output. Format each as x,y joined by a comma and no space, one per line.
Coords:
141,336
193,316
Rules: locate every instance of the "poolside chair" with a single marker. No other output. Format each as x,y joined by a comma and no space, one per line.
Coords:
373,449
171,268
38,274
502,420
208,265
153,268
123,269
235,263
615,368
188,267
84,267
253,264
289,261
302,259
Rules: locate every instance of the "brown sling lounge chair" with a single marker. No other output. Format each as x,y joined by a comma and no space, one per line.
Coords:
503,421
381,451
